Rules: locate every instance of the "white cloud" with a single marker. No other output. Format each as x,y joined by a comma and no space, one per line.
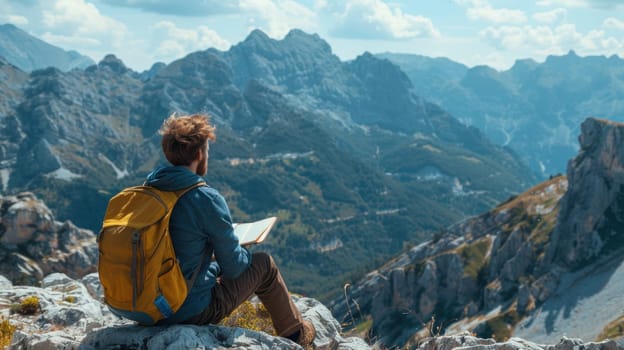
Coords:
605,4
472,3
172,42
83,22
481,10
14,19
278,17
613,23
550,17
70,42
320,4
541,40
490,14
565,3
375,19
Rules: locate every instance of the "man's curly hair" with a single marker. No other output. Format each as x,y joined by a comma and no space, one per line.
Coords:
184,136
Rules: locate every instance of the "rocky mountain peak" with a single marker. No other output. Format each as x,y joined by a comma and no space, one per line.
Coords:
7,26
256,36
30,53
369,67
301,39
114,63
592,211
295,40
523,66
571,58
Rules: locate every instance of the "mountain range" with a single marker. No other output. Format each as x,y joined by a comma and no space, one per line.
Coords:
358,165
533,108
29,53
343,153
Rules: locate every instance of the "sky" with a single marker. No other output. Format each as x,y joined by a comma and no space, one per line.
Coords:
472,32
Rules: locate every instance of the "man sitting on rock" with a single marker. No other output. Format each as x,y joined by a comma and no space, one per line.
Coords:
201,225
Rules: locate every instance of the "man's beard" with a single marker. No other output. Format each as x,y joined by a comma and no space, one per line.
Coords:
202,167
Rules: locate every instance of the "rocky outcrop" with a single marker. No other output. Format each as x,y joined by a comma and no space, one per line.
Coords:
468,342
12,83
592,211
33,244
485,263
71,316
488,273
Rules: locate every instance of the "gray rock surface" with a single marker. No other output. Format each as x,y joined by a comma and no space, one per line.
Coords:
591,211
468,342
475,267
553,266
583,304
71,318
23,216
33,244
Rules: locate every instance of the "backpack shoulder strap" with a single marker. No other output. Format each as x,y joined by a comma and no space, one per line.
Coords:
179,194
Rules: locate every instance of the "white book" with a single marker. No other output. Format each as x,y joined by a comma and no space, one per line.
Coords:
253,232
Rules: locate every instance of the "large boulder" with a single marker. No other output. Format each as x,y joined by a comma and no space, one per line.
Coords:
72,317
33,244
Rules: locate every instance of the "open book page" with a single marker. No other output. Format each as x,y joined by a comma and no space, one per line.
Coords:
254,232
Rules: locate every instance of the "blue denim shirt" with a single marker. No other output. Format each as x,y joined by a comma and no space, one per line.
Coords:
200,225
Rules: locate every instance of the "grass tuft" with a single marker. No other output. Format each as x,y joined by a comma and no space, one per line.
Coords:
251,316
6,332
29,306
613,330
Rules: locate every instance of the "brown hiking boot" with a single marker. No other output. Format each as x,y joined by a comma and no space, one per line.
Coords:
305,335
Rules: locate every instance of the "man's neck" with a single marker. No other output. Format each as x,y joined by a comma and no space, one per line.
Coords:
193,166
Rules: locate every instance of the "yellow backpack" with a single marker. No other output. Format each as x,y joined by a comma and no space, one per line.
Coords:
138,269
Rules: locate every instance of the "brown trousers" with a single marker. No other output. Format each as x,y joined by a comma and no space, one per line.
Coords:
262,278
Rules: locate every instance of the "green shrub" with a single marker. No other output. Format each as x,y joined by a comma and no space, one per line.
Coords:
502,326
474,256
613,330
29,306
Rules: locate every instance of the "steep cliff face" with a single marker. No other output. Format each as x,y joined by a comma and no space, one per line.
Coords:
33,244
78,123
592,211
12,84
488,273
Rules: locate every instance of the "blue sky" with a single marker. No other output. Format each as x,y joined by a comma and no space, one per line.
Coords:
473,32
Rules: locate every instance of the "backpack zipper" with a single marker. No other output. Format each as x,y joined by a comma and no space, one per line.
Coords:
133,271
